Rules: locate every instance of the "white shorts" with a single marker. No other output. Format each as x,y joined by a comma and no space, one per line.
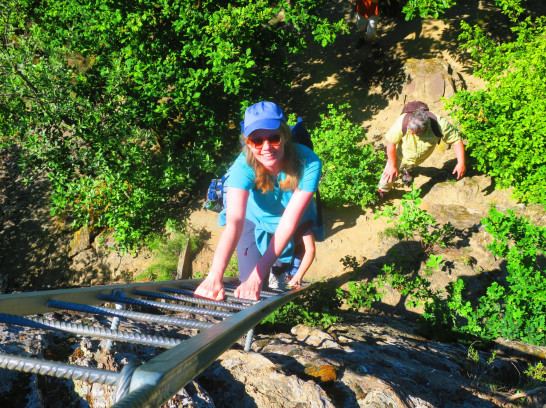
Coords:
367,24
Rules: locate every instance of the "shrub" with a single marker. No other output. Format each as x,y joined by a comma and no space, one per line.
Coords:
350,169
411,222
416,289
126,104
426,8
433,8
505,123
515,309
318,306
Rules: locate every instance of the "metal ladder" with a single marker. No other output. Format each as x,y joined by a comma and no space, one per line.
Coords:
153,382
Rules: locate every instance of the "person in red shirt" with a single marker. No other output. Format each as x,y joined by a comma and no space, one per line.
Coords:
367,17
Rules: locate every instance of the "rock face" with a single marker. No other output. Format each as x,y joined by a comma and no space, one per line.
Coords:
375,365
370,361
251,379
428,80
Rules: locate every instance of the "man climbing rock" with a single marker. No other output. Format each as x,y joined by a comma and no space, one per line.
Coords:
412,139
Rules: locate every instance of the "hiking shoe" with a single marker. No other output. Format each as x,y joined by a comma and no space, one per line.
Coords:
360,42
377,51
407,179
378,197
277,281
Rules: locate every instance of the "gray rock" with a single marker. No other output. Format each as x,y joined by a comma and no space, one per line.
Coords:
428,80
260,383
81,241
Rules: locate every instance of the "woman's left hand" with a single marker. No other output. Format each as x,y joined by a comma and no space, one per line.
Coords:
250,289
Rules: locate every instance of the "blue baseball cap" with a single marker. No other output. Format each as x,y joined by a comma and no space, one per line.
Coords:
262,115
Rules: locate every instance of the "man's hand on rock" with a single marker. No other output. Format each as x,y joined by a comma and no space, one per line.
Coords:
390,172
459,170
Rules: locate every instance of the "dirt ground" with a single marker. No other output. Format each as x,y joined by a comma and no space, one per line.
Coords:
370,83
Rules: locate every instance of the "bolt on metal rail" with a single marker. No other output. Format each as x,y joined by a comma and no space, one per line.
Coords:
151,383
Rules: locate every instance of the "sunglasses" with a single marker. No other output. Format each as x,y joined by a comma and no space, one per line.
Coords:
257,142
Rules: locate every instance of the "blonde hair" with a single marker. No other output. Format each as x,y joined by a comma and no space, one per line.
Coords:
291,164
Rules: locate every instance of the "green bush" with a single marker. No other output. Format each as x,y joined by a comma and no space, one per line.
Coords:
515,309
416,289
125,105
318,306
434,8
505,123
411,222
426,8
350,169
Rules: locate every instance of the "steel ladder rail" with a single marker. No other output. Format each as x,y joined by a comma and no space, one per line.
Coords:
140,385
153,382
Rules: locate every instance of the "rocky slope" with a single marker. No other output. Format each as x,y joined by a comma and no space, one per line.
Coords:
372,360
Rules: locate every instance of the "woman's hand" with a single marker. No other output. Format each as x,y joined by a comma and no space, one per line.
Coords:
250,289
295,282
210,289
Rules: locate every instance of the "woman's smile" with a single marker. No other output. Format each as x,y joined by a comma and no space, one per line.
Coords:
263,144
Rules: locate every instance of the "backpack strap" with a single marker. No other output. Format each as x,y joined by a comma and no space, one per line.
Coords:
300,134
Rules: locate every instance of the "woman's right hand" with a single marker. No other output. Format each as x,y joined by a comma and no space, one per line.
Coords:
210,289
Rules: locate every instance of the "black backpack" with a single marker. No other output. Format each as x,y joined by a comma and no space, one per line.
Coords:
216,193
411,107
301,135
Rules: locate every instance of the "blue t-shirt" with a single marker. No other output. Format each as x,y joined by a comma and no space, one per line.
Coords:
266,210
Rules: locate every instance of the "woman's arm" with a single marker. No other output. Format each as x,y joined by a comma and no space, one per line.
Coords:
307,260
250,289
212,287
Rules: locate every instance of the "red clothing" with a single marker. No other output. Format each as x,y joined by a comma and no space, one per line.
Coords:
367,8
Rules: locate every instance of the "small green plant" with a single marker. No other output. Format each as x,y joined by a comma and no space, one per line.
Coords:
416,289
362,295
536,372
479,369
434,263
350,169
426,8
166,253
319,306
473,354
411,222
